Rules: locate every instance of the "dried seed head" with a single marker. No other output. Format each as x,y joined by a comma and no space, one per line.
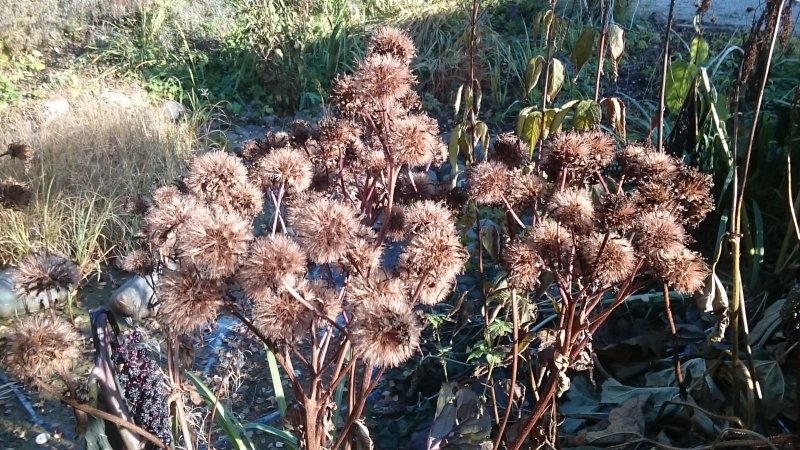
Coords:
524,188
431,255
336,136
139,262
165,195
41,346
616,213
644,163
14,195
573,209
568,151
362,256
413,140
246,200
214,175
391,41
385,332
166,220
44,272
396,227
510,150
382,78
324,227
214,241
658,231
272,262
426,215
650,195
281,317
300,131
345,97
436,291
553,242
523,265
378,284
693,189
136,205
187,302
416,187
285,167
682,270
603,149
608,260
22,152
487,182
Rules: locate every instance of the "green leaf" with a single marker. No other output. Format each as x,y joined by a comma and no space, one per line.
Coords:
559,115
277,385
229,424
532,73
557,73
698,50
532,128
587,115
679,80
285,436
582,50
457,103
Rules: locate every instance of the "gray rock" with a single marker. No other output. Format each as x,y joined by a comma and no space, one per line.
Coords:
172,110
11,305
134,297
53,109
117,99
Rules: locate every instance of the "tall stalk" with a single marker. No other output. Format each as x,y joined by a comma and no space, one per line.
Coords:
738,310
664,67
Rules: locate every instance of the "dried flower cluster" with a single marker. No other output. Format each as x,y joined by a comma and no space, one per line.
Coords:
599,220
40,347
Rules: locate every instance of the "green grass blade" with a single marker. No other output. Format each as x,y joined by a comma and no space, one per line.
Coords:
285,436
230,425
758,244
277,385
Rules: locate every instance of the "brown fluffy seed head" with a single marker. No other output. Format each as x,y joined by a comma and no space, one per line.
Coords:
603,148
281,317
570,151
14,195
187,302
413,140
553,242
391,41
344,96
426,215
523,265
416,187
396,227
136,205
271,262
324,228
44,272
616,213
362,256
431,255
287,167
300,131
140,262
524,188
22,152
435,291
573,209
165,222
693,189
213,241
165,194
41,346
382,78
246,200
644,163
336,136
378,284
658,231
510,150
650,195
214,175
487,182
683,270
385,333
608,260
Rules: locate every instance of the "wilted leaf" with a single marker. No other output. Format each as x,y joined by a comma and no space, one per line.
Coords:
773,386
767,326
556,73
625,423
616,45
587,115
361,439
714,298
582,50
615,111
532,73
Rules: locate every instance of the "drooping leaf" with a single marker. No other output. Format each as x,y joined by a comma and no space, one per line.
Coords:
616,45
560,114
615,111
582,50
587,115
532,73
556,73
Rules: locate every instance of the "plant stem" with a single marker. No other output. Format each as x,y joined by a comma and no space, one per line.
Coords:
602,49
665,65
514,362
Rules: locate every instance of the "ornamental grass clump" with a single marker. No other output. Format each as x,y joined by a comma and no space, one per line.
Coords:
601,223
315,283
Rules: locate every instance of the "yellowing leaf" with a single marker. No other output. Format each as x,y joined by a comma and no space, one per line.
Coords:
532,73
556,72
616,45
587,115
582,50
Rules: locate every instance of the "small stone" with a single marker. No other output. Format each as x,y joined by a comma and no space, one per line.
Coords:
172,110
134,297
117,99
42,438
53,109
